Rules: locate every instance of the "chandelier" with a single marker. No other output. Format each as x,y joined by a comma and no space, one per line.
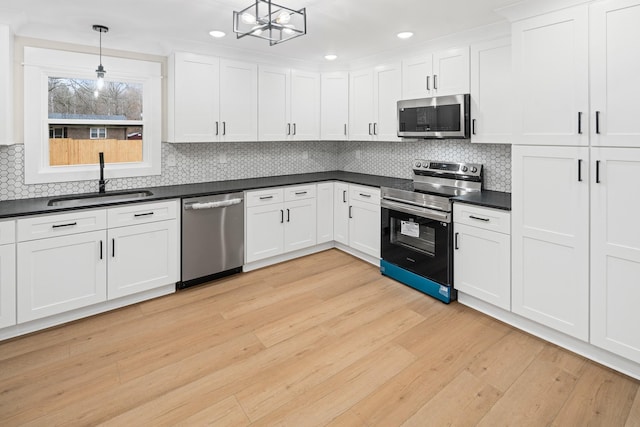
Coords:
270,21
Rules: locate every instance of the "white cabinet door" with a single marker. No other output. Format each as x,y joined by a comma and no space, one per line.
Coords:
482,264
491,92
451,72
615,67
550,229
361,105
417,77
334,104
324,203
7,285
6,85
274,120
387,92
615,251
142,257
238,101
61,274
341,213
265,231
364,227
550,65
305,106
300,224
194,98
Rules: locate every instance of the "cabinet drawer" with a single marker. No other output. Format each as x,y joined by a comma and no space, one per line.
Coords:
486,218
364,194
299,192
7,232
264,197
141,213
42,227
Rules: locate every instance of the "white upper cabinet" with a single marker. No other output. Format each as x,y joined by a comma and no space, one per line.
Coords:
305,105
288,104
194,97
491,92
550,64
334,104
6,86
361,105
274,108
211,99
441,73
373,97
451,71
238,100
615,67
417,77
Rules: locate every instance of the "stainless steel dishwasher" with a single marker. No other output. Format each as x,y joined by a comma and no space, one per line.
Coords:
212,237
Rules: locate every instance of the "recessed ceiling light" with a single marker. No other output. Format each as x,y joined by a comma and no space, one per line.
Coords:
405,35
217,34
331,57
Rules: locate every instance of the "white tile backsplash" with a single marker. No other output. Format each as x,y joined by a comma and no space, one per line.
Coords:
190,163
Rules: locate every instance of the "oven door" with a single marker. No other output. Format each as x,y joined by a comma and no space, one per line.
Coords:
418,240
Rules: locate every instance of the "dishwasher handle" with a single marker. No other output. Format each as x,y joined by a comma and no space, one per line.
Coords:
212,205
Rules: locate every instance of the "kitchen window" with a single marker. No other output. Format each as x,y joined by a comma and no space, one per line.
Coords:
68,122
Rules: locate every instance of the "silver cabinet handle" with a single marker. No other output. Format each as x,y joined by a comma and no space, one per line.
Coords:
288,215
375,128
473,126
365,195
142,214
224,128
479,219
597,171
579,122
113,248
281,216
344,196
435,81
217,128
579,170
370,129
288,128
100,249
428,88
456,242
294,129
266,197
345,129
300,193
598,122
350,208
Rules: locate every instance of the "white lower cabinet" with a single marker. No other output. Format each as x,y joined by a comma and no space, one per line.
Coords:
60,274
279,220
357,217
615,251
73,260
482,253
142,257
7,274
324,212
551,237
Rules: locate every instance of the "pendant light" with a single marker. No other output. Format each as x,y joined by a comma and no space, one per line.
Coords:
100,72
270,21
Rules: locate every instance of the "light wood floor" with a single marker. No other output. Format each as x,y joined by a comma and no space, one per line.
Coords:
323,340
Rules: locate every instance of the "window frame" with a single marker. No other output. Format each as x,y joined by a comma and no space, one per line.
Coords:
98,129
39,65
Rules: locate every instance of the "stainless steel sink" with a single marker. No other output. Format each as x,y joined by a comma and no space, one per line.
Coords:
96,198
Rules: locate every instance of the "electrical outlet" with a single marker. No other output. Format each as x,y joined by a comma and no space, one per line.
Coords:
305,155
223,158
171,160
358,154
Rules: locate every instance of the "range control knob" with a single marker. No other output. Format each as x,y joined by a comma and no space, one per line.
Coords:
418,164
464,169
474,169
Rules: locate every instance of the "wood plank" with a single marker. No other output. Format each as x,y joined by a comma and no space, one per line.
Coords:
227,412
633,420
534,399
323,403
601,397
470,397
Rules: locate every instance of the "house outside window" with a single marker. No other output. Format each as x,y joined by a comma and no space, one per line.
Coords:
57,132
98,133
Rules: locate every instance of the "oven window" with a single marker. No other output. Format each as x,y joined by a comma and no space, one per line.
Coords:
414,236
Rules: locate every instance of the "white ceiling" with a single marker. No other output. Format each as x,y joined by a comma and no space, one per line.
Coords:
351,29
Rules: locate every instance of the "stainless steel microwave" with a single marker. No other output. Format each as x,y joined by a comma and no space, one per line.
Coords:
438,117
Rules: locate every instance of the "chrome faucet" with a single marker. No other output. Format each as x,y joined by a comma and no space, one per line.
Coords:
102,183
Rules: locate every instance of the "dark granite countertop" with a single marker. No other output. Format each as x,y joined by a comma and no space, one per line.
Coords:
487,198
21,207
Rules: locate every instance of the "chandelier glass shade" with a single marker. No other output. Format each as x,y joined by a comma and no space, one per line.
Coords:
269,21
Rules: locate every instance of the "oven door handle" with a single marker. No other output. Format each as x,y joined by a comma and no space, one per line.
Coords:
415,210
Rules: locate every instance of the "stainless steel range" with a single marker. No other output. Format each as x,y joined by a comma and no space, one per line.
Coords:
417,231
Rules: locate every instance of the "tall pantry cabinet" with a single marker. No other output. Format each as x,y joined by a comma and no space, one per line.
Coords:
576,238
